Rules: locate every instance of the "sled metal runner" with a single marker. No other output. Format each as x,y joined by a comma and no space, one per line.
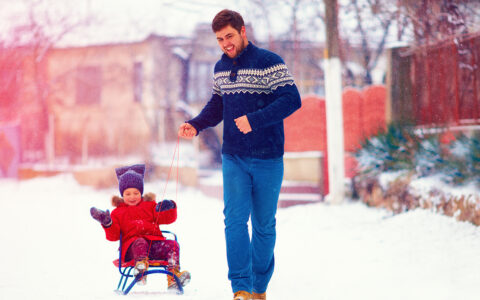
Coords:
154,267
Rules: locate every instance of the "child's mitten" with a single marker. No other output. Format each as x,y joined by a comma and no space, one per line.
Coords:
101,216
165,205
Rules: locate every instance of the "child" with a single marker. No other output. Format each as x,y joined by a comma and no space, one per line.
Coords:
137,219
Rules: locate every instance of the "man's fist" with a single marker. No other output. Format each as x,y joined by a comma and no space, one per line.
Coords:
187,131
243,125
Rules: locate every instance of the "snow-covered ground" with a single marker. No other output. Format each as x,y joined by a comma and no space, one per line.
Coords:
52,249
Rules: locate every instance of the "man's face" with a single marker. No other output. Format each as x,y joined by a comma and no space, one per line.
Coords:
231,41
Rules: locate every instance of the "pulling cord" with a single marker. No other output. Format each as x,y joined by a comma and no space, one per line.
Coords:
176,154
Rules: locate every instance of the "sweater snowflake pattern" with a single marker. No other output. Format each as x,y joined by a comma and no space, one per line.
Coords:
257,84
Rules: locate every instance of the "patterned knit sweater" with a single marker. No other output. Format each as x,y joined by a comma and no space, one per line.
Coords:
257,84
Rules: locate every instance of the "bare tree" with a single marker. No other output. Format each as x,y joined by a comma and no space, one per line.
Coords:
433,21
304,18
416,22
260,10
367,25
295,31
23,63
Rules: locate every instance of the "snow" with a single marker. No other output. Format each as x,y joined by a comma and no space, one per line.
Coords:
52,249
423,186
303,154
387,177
180,53
396,44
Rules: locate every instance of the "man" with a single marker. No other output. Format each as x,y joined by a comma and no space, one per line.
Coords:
252,93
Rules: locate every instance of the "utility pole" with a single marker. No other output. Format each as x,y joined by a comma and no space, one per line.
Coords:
333,94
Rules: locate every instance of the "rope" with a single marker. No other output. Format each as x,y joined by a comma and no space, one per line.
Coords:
176,153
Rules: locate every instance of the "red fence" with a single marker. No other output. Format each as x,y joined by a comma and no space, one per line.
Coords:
306,129
446,82
363,116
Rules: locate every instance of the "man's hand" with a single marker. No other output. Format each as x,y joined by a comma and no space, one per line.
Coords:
243,125
187,131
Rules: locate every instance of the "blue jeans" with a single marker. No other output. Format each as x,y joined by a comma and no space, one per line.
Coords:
251,186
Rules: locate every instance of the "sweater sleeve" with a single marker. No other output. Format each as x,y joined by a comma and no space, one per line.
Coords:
112,233
212,114
285,93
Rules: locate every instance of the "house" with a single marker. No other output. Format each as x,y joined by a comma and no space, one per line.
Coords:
304,61
22,102
114,99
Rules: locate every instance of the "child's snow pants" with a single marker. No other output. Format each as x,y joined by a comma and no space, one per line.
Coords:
167,250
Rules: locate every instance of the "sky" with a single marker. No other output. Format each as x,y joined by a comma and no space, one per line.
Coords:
110,21
128,20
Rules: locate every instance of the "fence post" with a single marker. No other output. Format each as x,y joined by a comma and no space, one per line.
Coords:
399,105
10,150
334,107
473,62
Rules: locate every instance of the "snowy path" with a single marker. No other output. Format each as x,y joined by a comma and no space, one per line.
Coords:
52,249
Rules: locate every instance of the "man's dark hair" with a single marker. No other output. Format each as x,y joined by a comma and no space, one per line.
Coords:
227,17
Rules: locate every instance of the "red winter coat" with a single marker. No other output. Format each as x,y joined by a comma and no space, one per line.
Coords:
137,221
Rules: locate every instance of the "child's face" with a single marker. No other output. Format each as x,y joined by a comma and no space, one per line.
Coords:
132,196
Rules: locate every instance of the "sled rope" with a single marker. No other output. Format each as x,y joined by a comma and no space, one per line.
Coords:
176,153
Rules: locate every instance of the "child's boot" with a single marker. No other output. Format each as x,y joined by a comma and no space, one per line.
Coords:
141,266
184,278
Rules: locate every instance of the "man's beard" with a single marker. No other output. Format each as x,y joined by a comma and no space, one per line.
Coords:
238,50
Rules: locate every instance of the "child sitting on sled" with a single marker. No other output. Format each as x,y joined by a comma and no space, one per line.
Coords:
137,218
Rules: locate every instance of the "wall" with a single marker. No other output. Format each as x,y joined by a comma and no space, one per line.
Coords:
130,113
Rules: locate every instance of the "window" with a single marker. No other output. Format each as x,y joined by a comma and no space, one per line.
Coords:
137,81
89,85
9,86
201,82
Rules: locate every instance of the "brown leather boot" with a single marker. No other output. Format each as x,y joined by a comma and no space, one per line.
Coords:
242,295
184,278
262,296
141,266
